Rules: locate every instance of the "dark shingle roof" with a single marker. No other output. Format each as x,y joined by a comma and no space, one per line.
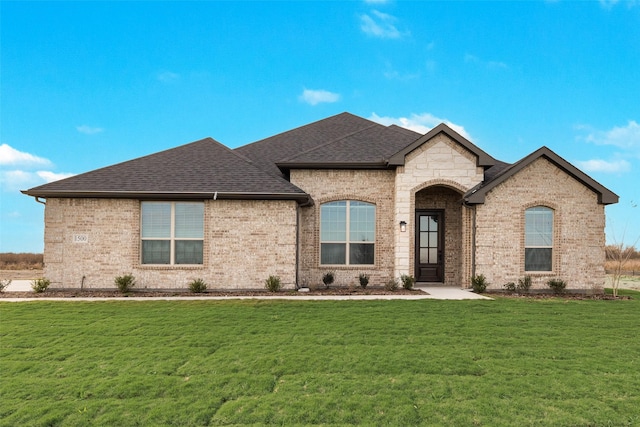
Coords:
370,146
200,169
269,151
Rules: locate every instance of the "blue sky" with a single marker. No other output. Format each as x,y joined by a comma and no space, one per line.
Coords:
88,84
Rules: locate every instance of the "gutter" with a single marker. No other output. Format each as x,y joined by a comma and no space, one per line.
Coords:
302,198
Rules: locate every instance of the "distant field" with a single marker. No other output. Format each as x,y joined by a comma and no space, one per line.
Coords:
506,362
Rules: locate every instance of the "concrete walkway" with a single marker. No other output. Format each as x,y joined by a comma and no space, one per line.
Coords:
430,292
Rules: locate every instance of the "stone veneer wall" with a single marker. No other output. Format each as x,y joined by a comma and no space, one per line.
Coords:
99,239
439,162
578,252
372,186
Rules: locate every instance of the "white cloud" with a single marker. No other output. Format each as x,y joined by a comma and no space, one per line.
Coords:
626,137
49,176
11,156
89,130
421,123
314,97
604,166
492,65
16,180
168,76
381,25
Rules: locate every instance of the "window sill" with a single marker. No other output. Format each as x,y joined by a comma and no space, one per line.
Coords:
171,267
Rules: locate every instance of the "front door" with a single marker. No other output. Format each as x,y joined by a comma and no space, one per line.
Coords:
429,246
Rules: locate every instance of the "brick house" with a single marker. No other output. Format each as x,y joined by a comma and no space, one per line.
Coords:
343,194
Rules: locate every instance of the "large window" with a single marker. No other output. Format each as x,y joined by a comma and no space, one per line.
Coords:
347,233
172,232
538,239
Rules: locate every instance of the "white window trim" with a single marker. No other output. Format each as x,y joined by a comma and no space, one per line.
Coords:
172,239
347,235
552,246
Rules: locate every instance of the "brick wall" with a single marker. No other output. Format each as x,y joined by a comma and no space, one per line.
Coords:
372,186
99,239
578,252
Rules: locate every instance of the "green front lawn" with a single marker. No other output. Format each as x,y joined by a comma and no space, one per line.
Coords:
453,363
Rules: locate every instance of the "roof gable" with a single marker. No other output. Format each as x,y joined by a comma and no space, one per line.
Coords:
483,159
201,169
478,194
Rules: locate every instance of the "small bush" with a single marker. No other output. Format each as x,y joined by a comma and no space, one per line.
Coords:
125,283
40,285
391,285
557,285
272,283
197,286
328,278
510,287
524,284
407,281
364,280
4,283
479,283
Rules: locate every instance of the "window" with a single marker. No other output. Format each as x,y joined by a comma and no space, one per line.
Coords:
538,239
172,232
347,233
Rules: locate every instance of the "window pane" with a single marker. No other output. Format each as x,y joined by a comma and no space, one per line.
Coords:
333,253
156,219
189,220
538,227
156,251
188,252
362,222
424,255
361,253
537,259
333,222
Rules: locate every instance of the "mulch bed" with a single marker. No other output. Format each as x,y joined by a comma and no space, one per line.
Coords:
72,293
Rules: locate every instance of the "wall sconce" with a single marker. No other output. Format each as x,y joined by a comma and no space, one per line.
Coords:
403,226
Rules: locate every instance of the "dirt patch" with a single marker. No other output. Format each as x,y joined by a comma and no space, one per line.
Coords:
566,296
20,274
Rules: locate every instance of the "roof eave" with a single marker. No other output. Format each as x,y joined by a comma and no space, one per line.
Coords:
302,198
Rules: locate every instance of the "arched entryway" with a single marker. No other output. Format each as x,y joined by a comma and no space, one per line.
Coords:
438,235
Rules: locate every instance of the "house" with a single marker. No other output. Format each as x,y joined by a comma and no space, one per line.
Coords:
343,194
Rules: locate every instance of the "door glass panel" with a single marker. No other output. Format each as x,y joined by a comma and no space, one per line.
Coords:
424,223
433,223
433,239
424,256
433,256
424,239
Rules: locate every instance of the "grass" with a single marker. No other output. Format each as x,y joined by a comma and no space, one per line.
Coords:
192,363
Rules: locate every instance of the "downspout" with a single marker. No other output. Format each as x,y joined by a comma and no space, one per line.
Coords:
40,201
297,246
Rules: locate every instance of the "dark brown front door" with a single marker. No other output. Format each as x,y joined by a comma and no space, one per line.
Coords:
429,246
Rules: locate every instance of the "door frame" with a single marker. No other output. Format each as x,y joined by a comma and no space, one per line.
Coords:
441,249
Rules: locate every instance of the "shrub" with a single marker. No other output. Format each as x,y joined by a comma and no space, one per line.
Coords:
391,285
197,286
407,281
4,283
557,285
510,287
364,280
40,285
125,283
328,278
272,283
524,284
479,283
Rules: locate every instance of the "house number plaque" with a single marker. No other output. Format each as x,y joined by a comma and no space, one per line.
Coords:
80,238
